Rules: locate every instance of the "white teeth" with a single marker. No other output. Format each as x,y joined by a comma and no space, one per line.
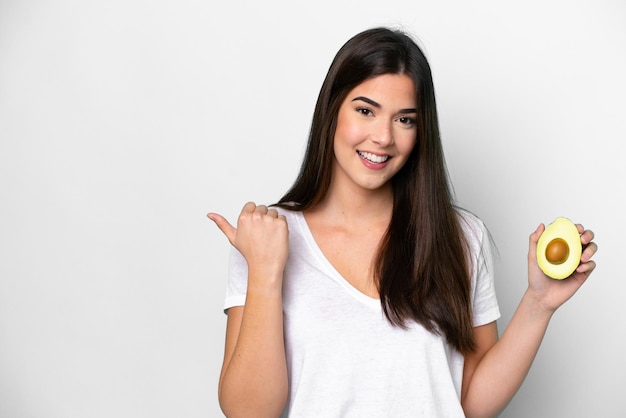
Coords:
373,158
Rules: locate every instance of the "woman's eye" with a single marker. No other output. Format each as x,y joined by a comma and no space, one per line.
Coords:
405,120
364,111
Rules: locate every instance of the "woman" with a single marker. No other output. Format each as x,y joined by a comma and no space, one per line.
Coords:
364,292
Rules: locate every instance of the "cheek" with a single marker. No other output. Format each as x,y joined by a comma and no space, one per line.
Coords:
405,143
347,131
348,135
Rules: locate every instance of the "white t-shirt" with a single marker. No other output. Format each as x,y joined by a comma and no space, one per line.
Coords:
344,358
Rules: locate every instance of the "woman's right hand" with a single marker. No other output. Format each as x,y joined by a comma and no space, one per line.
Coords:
261,236
253,381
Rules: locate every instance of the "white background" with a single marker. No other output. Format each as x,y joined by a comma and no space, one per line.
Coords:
123,122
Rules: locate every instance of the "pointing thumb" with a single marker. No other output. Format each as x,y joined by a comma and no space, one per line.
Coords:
224,226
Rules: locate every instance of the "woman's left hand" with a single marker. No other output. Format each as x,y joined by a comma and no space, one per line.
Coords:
553,293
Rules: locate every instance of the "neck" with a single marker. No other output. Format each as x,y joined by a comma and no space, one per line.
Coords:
356,205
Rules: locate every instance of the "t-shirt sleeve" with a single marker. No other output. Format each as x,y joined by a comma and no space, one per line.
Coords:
237,280
485,302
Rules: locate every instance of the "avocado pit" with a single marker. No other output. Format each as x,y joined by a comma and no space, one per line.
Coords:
557,251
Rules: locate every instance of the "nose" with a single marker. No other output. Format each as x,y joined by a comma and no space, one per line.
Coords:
382,134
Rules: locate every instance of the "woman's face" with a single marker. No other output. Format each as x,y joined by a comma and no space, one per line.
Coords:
376,131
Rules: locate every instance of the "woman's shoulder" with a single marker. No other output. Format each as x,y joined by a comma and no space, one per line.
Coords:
473,227
288,209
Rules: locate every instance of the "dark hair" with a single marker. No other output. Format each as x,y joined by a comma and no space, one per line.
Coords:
423,271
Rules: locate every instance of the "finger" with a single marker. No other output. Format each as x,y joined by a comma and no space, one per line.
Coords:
534,237
224,226
532,242
588,251
273,213
262,209
586,237
586,268
248,207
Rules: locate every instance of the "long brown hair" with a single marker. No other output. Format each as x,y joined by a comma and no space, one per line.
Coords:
423,267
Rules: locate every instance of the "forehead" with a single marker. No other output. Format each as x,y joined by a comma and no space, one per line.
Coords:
391,89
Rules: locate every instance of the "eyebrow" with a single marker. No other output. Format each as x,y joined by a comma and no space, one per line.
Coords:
378,106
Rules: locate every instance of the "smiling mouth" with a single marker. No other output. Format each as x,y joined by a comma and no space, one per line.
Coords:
373,157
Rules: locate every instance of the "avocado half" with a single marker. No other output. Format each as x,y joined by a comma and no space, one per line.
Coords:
559,249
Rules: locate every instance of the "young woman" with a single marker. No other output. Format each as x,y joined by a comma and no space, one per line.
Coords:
365,292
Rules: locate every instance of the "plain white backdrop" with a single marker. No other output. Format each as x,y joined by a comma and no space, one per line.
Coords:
123,122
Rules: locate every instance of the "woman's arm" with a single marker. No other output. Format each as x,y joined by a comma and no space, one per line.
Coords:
496,370
253,380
